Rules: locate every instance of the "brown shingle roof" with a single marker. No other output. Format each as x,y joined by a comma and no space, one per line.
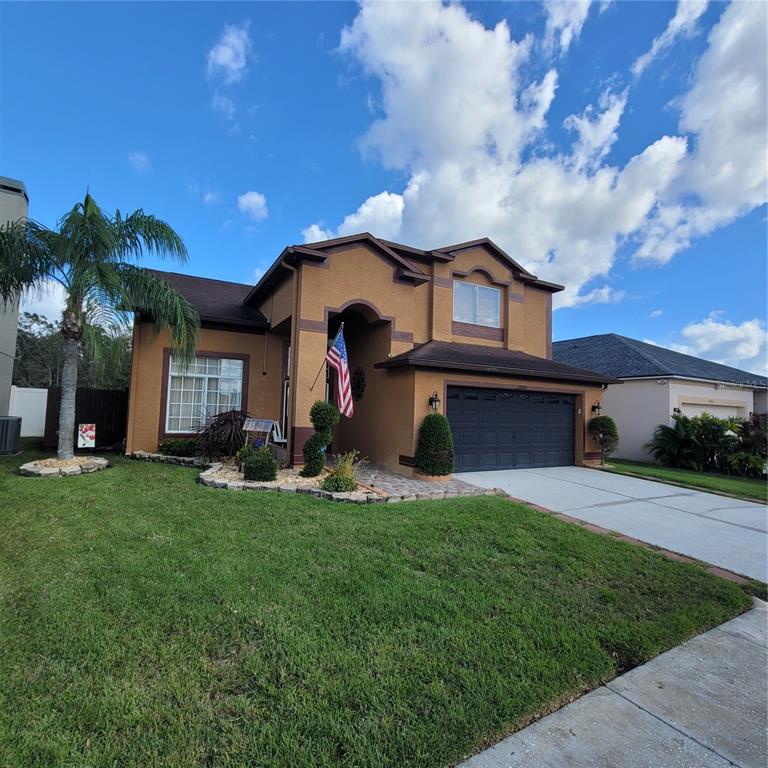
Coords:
481,359
216,301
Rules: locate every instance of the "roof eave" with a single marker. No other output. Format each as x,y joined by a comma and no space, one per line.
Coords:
524,373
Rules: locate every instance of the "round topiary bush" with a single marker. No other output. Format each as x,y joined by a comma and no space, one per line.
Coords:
434,448
314,455
605,433
324,416
260,465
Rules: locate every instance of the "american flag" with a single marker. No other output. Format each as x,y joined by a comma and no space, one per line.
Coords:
337,358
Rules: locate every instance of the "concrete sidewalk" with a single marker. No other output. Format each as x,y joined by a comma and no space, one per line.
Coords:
700,705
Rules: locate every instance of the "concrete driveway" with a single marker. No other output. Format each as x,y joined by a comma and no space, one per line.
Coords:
717,529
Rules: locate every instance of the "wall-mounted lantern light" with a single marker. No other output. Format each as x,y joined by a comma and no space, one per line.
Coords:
597,408
434,401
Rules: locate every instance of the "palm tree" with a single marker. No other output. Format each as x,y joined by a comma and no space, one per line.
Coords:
90,255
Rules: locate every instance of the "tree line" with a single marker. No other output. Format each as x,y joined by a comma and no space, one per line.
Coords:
104,361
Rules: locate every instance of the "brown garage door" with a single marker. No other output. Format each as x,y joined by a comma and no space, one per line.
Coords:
510,429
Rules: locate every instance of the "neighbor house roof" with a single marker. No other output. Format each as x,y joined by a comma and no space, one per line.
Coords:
216,301
476,357
627,358
406,260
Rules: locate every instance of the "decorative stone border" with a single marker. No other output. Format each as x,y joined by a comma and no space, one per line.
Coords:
207,477
162,458
87,466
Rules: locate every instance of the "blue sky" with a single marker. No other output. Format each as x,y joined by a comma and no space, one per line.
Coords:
604,145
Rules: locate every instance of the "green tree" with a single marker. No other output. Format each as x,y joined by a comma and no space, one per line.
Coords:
605,433
91,255
105,362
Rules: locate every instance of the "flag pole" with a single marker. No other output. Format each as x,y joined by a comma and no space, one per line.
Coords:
341,328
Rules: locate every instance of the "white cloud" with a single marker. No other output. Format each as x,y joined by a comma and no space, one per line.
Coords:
726,174
253,205
314,233
597,131
565,18
228,59
224,105
381,214
742,345
48,301
683,23
656,313
467,129
139,161
211,197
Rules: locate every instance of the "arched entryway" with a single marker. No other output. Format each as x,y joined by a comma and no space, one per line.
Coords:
368,338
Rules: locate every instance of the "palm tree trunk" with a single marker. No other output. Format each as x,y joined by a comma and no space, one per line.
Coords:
71,353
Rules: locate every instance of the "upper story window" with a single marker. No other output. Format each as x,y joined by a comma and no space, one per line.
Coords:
205,387
477,304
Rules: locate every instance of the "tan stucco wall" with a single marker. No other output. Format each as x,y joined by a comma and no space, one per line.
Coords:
278,307
147,385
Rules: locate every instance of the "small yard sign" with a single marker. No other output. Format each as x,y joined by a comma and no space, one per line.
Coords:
86,435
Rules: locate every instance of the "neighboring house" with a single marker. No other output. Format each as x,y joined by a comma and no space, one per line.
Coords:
659,381
465,323
14,204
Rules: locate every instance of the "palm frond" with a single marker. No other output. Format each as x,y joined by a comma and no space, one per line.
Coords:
140,233
27,257
143,291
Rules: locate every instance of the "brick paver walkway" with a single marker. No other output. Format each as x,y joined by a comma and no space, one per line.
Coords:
399,485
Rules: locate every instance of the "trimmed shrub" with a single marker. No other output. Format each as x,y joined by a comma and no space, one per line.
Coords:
324,417
343,479
314,455
605,433
434,448
260,464
178,446
244,453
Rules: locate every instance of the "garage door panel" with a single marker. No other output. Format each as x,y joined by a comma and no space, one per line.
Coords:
507,429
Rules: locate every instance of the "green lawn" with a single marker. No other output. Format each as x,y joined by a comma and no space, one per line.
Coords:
149,621
745,487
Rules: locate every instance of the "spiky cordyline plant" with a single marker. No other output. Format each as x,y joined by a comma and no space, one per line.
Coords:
90,255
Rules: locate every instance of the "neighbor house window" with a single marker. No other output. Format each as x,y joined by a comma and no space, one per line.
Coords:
477,304
203,388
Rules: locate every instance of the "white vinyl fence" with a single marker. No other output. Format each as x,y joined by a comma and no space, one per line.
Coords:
30,404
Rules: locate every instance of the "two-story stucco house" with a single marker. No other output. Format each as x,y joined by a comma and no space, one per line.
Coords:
465,322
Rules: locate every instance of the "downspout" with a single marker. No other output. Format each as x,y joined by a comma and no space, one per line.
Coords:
292,377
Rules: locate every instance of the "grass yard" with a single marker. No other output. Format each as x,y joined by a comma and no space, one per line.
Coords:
149,621
745,487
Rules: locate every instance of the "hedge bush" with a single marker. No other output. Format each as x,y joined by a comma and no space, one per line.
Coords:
324,417
605,433
434,448
705,443
260,465
178,446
